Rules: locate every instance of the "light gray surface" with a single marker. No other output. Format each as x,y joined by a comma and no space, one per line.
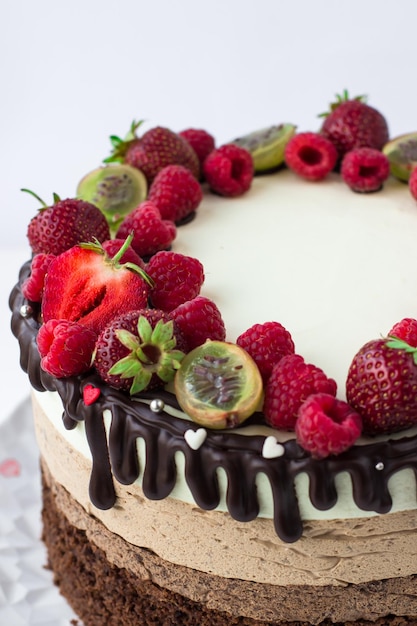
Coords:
28,596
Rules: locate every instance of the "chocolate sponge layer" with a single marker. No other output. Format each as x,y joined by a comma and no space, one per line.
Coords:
154,592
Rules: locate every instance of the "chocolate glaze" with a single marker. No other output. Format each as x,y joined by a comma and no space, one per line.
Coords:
240,456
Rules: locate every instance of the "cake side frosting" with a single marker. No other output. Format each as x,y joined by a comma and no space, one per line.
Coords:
330,552
273,603
401,485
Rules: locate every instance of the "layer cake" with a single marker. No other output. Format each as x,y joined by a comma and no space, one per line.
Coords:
150,519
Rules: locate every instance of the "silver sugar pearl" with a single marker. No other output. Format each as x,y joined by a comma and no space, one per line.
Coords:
379,466
157,405
26,310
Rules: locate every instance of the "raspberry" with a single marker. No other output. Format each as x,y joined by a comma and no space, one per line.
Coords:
112,246
201,141
229,170
66,348
310,155
365,169
32,287
326,425
412,183
405,330
176,193
177,278
151,232
266,343
199,319
291,382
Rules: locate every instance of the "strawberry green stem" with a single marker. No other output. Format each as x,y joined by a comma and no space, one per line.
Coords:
131,266
55,196
120,146
123,248
400,344
114,261
35,195
340,99
131,134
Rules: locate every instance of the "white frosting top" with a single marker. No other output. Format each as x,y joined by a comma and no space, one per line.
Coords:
336,268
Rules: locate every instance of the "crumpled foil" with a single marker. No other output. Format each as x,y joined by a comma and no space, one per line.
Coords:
28,596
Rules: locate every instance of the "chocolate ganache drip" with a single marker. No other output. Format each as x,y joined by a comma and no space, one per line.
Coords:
369,466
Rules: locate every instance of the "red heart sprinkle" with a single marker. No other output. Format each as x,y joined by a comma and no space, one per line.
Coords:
90,394
9,468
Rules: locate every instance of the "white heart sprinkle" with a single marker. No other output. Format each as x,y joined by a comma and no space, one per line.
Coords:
195,438
272,448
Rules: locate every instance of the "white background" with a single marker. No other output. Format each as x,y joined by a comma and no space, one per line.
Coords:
72,73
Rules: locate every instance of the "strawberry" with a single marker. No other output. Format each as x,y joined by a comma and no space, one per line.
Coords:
85,285
326,425
199,319
382,385
138,350
64,224
66,348
150,232
352,123
267,343
176,277
175,192
156,149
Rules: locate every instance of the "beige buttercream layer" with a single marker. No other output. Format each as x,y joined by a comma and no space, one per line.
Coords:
271,603
330,552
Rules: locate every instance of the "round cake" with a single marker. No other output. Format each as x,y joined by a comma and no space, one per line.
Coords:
151,518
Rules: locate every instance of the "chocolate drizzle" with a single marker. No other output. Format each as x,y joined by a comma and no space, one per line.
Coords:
370,466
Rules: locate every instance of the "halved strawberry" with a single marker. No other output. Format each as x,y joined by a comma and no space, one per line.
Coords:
85,285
